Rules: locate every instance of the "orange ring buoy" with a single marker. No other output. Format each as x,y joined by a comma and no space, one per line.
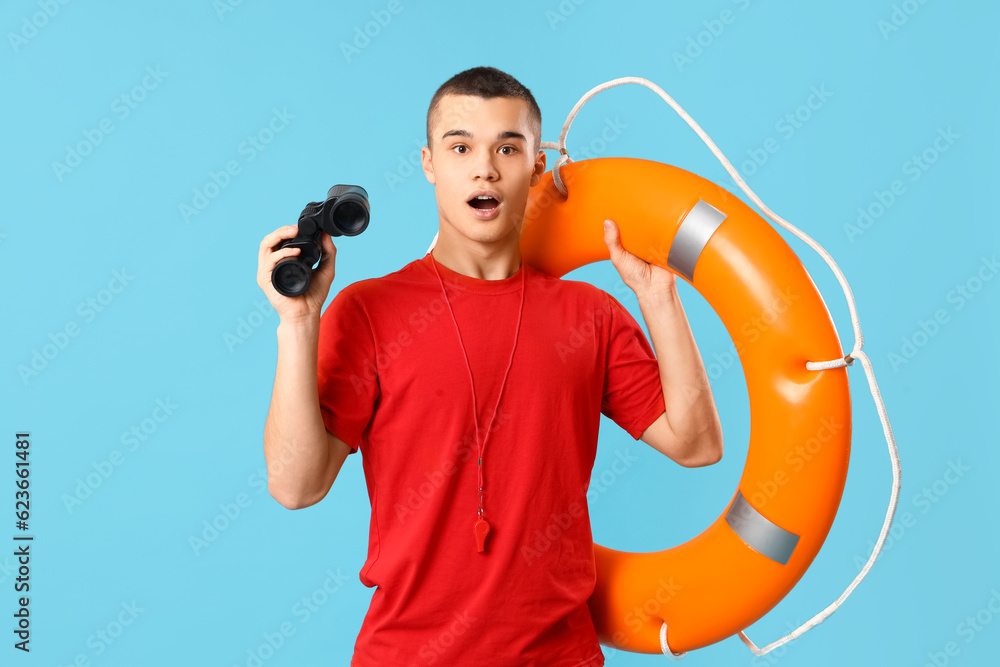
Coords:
745,562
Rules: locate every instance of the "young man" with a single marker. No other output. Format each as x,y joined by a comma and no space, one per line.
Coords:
473,386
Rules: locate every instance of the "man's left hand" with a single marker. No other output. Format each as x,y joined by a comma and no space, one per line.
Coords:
641,276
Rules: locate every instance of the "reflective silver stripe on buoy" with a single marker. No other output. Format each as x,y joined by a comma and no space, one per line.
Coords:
759,533
692,237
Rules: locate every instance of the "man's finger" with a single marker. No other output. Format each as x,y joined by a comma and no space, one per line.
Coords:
325,268
271,240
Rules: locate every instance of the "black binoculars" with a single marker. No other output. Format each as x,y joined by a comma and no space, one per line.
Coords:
344,213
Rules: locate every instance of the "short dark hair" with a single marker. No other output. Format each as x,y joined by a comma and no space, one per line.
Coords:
486,82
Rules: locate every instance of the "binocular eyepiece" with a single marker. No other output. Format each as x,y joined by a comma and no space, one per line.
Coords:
345,212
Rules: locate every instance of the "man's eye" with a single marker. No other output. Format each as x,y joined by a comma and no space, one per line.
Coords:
511,149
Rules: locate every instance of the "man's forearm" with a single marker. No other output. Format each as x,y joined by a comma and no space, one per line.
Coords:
295,443
690,408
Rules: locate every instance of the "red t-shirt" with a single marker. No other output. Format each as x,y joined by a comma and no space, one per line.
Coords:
393,383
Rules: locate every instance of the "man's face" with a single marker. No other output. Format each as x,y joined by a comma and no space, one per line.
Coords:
481,144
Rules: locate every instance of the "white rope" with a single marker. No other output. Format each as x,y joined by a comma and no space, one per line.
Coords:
665,648
847,360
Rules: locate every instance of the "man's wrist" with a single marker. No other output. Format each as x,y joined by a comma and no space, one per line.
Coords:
658,298
300,327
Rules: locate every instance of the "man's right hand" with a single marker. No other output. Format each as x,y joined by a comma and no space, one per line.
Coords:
305,306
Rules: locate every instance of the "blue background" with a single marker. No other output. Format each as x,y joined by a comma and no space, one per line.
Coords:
167,335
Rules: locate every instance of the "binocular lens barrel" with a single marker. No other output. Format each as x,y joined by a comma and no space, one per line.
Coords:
290,277
350,217
345,212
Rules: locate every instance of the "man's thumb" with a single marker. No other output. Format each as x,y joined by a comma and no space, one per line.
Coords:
610,232
326,265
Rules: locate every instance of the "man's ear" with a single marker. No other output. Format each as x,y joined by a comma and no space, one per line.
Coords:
426,164
536,175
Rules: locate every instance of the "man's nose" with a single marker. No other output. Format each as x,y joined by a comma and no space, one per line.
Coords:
484,167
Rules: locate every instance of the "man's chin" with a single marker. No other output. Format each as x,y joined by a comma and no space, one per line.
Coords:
485,231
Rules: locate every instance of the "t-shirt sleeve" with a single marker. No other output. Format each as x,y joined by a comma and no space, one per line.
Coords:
346,370
633,393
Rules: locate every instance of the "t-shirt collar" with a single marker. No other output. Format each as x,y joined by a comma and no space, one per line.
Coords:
468,283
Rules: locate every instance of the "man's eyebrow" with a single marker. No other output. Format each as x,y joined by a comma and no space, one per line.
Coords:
507,134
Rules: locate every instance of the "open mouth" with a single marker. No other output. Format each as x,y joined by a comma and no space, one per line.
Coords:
484,203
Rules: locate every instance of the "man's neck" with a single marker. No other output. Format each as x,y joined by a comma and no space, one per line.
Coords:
492,266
